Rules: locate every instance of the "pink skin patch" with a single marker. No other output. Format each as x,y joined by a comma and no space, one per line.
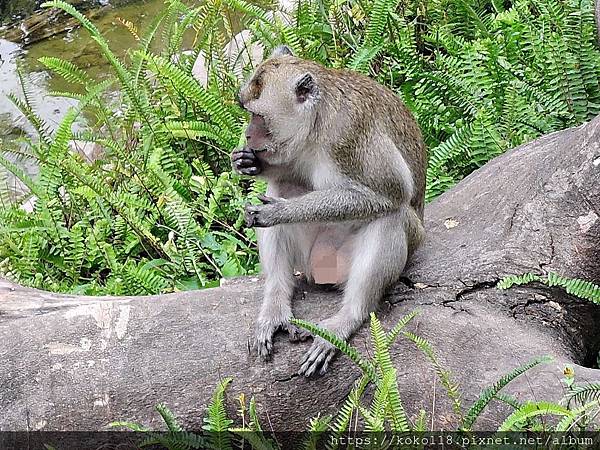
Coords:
257,134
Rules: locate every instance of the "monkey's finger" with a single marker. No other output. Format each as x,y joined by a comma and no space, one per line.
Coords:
250,170
244,162
243,154
249,219
266,199
251,215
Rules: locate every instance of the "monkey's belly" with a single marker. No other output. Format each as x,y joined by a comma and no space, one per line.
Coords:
331,254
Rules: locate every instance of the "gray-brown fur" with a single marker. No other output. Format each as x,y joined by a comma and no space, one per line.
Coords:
345,164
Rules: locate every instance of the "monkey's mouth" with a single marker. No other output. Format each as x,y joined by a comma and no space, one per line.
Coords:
258,134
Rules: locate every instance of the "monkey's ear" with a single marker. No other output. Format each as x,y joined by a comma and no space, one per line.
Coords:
306,88
282,50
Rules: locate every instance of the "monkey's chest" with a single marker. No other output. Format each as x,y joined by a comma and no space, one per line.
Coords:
331,254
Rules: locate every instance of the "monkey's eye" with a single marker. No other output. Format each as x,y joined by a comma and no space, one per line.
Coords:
257,86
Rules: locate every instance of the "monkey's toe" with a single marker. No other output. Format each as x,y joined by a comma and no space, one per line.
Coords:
317,358
264,348
296,334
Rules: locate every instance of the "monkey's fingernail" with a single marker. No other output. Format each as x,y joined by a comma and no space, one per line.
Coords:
265,199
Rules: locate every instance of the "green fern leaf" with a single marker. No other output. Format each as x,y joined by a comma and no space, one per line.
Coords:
530,410
489,393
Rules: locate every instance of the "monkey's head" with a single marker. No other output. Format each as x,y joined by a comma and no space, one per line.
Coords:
281,97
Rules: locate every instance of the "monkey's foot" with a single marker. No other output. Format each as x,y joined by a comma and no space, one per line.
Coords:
317,358
265,332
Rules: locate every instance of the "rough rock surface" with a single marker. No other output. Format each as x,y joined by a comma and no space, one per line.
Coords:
79,363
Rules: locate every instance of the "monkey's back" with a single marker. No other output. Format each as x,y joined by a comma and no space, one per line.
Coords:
385,112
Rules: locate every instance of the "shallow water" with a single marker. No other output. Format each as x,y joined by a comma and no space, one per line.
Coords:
75,46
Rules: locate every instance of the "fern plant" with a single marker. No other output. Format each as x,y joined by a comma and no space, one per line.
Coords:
161,211
574,286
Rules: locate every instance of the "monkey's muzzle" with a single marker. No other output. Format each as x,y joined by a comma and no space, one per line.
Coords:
257,133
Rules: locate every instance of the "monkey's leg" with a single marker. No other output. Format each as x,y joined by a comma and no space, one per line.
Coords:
378,259
282,248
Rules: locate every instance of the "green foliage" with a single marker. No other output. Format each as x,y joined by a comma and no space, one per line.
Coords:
442,373
492,392
217,422
574,286
584,394
481,77
343,346
530,410
160,211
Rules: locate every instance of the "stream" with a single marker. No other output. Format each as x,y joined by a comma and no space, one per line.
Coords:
75,46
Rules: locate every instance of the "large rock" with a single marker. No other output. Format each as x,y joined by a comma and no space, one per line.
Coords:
72,363
238,53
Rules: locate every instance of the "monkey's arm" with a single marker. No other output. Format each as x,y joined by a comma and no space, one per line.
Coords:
328,205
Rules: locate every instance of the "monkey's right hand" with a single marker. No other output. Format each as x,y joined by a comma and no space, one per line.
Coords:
246,162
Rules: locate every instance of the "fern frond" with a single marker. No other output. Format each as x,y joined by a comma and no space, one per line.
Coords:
217,419
344,415
584,394
66,69
350,351
186,85
489,393
394,332
129,425
443,374
248,9
317,426
530,410
575,286
169,418
517,280
569,421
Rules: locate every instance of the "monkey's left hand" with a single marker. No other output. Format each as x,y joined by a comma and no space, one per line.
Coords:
265,215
